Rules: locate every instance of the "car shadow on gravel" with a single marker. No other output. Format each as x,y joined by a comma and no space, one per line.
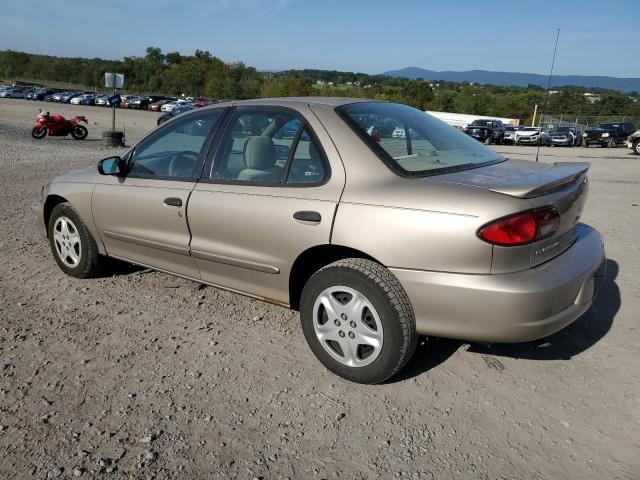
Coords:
116,268
581,335
430,353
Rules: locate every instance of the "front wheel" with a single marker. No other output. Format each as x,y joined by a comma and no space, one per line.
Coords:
72,245
39,132
358,320
636,147
79,132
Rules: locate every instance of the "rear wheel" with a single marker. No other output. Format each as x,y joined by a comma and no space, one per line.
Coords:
39,132
358,320
72,245
636,147
79,132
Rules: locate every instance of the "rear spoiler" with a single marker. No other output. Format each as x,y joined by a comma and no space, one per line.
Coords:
546,181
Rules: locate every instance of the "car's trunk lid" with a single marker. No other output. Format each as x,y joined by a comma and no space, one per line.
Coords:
561,185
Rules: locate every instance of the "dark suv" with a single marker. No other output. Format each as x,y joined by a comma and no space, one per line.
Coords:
486,131
608,134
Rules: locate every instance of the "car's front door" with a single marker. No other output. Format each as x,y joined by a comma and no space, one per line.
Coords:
269,194
141,217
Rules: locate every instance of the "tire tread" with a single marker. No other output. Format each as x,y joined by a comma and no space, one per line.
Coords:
397,296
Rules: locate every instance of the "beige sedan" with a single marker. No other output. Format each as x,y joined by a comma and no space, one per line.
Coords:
376,221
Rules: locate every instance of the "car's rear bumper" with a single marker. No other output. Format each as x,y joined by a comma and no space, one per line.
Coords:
514,307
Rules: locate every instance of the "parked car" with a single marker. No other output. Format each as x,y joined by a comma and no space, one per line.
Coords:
81,98
155,106
101,100
608,134
532,136
486,131
88,100
382,239
12,93
183,107
565,136
58,95
167,107
510,134
143,102
201,102
42,94
67,97
633,142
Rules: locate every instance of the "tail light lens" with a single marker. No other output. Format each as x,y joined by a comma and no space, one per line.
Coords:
522,228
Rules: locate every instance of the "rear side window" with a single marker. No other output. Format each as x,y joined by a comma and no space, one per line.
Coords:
413,143
268,146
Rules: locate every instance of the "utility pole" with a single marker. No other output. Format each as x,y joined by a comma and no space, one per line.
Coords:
113,111
535,112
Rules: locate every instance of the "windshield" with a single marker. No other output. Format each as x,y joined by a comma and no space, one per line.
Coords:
480,123
605,126
413,143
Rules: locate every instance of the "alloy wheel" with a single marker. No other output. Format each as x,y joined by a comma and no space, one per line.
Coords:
347,326
67,242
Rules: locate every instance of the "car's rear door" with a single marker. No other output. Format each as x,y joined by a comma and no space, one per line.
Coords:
142,217
268,194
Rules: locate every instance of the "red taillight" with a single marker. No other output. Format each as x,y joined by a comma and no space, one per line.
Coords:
522,228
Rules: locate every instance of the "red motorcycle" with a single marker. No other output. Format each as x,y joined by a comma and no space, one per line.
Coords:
58,126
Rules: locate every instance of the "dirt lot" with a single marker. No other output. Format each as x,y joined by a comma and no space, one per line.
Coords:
142,375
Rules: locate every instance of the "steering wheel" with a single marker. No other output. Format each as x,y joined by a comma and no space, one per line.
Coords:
181,164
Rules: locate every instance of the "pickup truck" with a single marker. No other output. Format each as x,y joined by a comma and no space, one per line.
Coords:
608,134
486,131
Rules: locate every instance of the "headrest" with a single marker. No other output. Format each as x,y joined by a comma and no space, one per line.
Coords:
259,153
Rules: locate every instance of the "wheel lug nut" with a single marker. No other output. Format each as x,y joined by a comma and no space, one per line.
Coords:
352,335
341,333
337,322
353,324
343,316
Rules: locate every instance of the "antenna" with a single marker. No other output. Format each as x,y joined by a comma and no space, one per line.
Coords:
553,61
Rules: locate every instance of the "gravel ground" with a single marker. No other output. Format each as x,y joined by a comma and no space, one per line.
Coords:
142,375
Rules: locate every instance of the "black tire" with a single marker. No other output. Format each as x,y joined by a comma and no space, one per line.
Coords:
39,133
90,261
79,132
383,290
636,147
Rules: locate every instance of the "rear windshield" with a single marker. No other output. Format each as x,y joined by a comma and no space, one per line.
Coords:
413,143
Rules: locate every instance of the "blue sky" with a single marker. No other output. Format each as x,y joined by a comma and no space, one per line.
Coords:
597,37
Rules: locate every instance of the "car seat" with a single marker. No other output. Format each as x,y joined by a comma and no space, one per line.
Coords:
260,159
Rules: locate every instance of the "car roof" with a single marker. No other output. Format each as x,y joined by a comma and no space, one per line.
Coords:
330,102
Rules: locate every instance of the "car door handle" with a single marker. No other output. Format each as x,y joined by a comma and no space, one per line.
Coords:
173,201
307,216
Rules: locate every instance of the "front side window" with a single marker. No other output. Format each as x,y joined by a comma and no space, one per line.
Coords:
269,146
174,152
413,143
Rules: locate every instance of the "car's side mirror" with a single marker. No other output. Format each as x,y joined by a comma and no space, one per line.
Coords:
111,166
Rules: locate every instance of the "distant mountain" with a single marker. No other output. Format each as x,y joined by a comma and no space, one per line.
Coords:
624,85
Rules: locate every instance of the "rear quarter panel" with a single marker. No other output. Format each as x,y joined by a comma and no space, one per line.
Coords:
417,223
